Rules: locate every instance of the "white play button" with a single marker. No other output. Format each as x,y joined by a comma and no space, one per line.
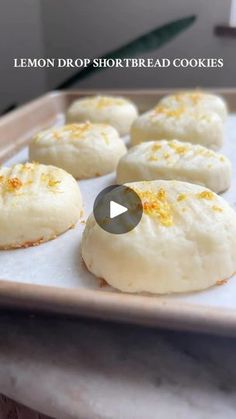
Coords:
116,209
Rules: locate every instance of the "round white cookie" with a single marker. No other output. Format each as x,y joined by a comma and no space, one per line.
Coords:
185,124
185,241
85,150
196,99
116,111
175,160
37,203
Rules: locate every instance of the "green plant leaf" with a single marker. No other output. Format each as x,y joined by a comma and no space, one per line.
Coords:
141,45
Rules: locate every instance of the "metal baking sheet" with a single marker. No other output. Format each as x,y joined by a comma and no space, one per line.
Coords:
51,277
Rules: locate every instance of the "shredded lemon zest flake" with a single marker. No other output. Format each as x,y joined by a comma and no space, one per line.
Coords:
156,204
206,195
207,153
152,158
49,180
75,131
172,145
180,149
103,102
154,149
168,111
215,208
13,184
195,97
181,197
58,133
161,194
105,137
27,166
177,148
53,182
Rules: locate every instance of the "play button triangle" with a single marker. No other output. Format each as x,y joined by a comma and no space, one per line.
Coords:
116,209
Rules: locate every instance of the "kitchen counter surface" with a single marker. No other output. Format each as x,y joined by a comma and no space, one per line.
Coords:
82,369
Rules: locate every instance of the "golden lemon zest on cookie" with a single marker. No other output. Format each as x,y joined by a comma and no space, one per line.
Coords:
156,204
154,149
210,154
207,153
181,197
105,137
181,150
74,131
205,117
206,195
49,180
56,135
161,194
53,182
217,209
77,130
168,111
103,102
153,158
166,155
27,166
195,97
177,148
14,184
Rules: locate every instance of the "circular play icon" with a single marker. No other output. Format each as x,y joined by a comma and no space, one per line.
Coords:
117,209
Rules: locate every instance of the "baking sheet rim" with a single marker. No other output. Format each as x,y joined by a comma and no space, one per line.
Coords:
136,309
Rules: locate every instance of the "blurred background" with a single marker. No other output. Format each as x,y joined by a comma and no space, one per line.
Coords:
77,28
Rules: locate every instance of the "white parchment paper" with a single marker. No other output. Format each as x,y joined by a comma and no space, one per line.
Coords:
58,262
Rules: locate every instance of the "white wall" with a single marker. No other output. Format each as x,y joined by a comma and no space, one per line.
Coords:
89,28
20,36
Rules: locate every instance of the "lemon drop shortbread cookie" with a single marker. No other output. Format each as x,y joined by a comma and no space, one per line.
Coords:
116,111
185,124
198,100
37,203
185,241
85,150
171,160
